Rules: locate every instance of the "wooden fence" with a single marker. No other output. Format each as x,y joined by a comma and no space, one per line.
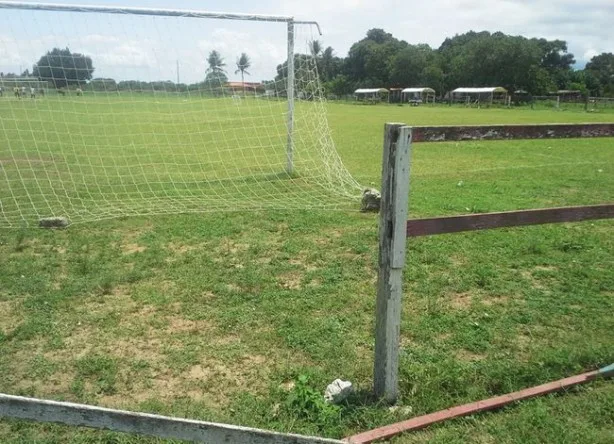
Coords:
394,226
142,423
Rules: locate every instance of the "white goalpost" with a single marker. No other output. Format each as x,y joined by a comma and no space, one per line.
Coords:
116,134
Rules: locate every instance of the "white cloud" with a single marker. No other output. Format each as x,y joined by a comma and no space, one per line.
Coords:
584,24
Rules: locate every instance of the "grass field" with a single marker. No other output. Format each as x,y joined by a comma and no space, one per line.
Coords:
103,156
245,317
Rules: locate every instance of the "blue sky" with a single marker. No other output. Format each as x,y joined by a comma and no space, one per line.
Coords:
148,49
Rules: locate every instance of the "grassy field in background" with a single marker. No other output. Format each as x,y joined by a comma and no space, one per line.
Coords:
246,317
103,156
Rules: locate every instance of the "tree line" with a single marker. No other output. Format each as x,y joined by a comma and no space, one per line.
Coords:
63,68
536,65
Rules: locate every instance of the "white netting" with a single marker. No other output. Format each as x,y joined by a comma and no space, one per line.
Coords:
156,129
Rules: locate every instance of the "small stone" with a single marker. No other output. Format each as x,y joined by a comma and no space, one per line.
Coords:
371,200
338,391
54,222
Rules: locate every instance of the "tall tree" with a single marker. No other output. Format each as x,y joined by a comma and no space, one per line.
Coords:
243,64
330,65
368,60
601,69
484,59
556,60
216,62
316,48
63,68
407,65
216,75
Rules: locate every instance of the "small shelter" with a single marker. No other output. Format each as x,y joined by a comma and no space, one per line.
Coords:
418,95
371,94
488,94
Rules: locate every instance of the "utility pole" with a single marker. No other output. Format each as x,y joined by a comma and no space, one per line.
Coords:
178,72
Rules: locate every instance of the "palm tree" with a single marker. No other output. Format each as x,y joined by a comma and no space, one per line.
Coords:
216,62
243,63
327,64
316,48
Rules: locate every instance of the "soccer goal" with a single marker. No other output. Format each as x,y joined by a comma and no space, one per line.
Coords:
159,111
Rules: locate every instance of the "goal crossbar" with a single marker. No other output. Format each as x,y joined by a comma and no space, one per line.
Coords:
156,12
142,11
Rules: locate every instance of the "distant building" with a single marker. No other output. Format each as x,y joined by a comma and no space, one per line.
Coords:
418,95
371,94
239,87
487,94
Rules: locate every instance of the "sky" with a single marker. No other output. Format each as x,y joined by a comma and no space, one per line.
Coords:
145,48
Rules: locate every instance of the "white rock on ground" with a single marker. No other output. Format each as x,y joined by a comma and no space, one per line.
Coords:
338,391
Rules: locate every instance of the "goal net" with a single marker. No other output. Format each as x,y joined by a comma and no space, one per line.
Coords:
138,112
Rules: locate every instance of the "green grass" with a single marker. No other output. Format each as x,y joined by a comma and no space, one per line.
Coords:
244,317
100,157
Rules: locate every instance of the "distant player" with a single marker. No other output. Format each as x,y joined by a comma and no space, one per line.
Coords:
1,92
32,93
16,91
23,91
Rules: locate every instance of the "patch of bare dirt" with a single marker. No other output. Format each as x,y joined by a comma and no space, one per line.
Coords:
466,355
234,288
146,334
545,268
265,260
443,336
458,261
302,261
230,247
460,301
184,248
133,248
10,317
493,299
290,280
177,324
535,282
57,384
328,236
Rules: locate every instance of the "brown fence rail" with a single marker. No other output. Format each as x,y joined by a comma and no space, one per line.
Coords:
473,222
